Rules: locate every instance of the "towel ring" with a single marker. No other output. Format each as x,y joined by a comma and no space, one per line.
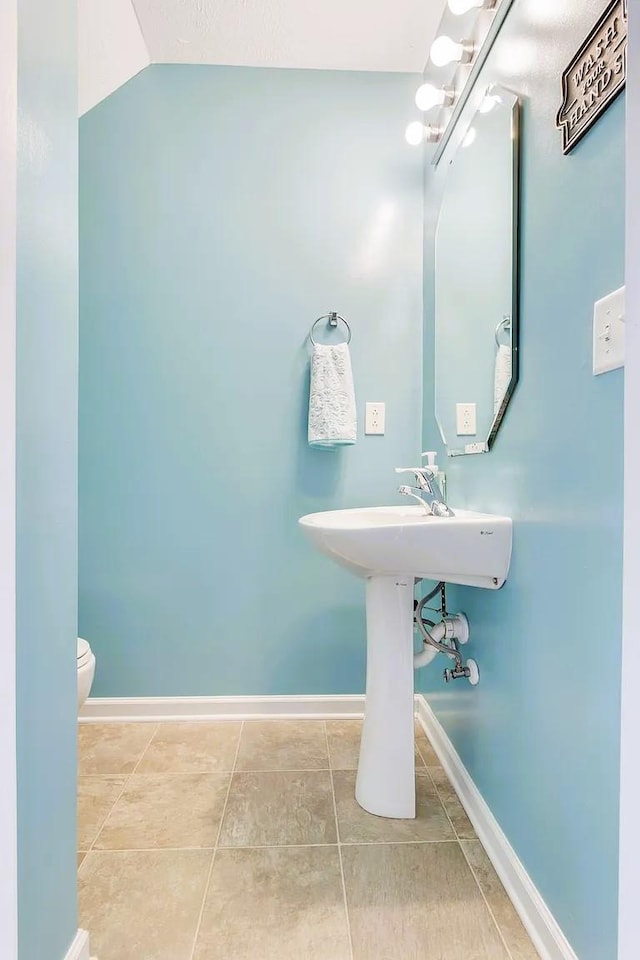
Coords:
505,324
333,322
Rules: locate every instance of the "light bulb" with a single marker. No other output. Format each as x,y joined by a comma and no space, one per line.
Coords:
490,101
470,136
428,96
444,50
414,134
459,7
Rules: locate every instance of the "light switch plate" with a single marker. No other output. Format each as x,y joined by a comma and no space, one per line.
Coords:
374,418
466,419
608,332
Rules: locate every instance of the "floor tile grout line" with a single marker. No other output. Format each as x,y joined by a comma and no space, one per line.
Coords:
215,849
335,814
440,801
284,770
417,741
482,894
444,807
210,772
210,848
117,850
105,818
394,843
124,787
274,846
203,772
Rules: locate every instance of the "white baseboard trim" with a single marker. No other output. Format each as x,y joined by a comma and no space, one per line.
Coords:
541,925
79,949
119,709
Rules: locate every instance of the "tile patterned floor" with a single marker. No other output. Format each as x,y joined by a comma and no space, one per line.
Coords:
231,841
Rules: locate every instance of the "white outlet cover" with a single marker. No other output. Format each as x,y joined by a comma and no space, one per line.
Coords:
480,447
466,419
609,332
374,418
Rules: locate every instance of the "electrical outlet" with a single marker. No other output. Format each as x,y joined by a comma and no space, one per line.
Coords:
374,418
466,419
479,447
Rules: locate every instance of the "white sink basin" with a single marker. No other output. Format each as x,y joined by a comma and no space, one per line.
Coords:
473,549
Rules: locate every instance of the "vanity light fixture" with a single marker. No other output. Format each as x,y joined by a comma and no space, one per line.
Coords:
460,7
417,132
428,96
444,50
456,58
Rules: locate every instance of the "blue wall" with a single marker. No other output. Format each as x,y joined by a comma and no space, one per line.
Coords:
222,211
540,735
47,382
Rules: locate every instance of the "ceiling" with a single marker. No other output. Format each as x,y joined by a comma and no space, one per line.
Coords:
118,38
111,49
384,35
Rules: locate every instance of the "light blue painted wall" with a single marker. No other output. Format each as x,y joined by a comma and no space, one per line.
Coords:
47,381
540,735
222,211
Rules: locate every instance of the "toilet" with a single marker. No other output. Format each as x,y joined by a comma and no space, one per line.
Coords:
86,670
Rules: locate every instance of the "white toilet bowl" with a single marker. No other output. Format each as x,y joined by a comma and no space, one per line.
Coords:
86,670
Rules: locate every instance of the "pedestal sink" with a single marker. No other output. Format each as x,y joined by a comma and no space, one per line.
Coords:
389,547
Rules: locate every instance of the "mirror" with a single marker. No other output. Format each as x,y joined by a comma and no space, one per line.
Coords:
476,282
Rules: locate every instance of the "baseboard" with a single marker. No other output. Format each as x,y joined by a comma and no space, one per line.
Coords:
79,949
538,920
222,708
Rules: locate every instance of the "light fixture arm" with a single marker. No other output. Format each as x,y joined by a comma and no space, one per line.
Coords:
469,50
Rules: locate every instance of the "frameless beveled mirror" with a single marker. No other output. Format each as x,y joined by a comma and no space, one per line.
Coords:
476,279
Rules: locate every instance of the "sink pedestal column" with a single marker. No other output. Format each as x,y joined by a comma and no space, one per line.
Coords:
385,784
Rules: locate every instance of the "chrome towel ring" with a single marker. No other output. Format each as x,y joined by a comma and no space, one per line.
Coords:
504,324
332,321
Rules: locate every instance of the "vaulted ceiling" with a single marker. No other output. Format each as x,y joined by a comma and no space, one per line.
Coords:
120,37
323,34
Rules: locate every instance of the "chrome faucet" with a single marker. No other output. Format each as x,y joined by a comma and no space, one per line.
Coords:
429,494
415,492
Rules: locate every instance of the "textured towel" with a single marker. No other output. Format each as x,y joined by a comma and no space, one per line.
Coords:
332,401
502,376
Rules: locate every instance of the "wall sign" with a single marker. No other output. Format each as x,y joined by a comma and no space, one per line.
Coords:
595,76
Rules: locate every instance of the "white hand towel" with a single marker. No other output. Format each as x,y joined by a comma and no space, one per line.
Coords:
332,400
502,376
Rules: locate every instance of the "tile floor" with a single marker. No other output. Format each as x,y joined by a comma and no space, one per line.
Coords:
230,841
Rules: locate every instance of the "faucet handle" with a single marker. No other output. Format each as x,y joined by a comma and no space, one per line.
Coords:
418,473
422,474
414,493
